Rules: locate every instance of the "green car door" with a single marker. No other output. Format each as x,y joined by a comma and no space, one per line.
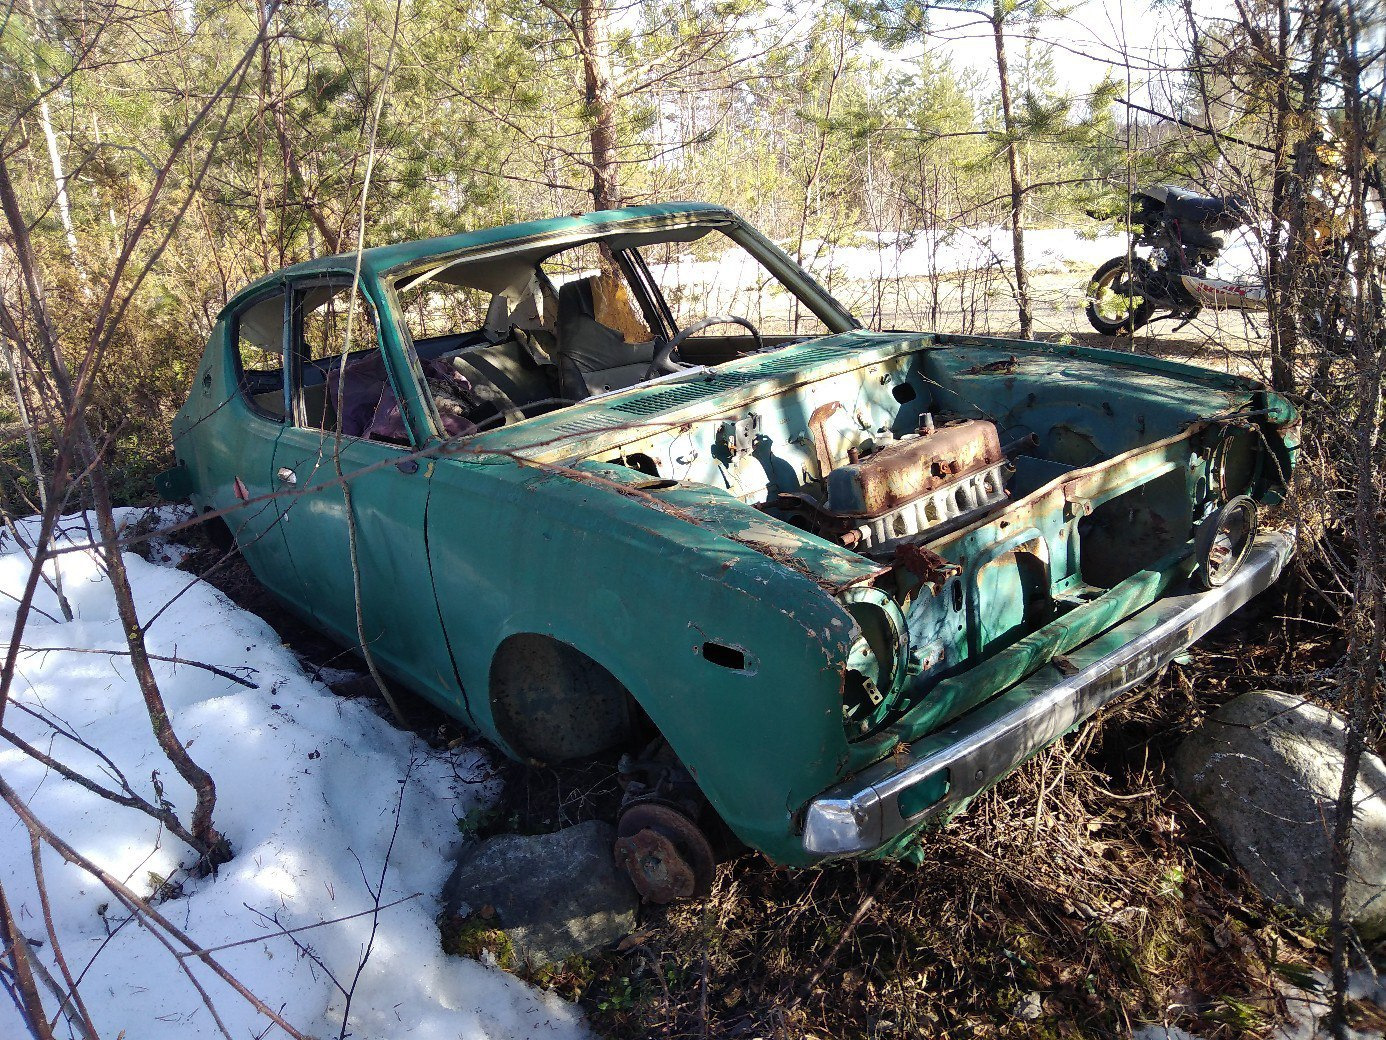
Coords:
248,398
340,479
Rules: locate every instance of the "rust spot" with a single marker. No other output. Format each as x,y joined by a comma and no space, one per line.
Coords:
820,415
655,867
903,470
665,853
928,566
1006,365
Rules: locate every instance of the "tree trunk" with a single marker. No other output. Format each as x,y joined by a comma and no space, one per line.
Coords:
1022,281
31,439
55,156
601,103
1366,617
1287,211
25,994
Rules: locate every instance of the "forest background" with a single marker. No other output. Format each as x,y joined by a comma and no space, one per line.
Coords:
181,150
155,157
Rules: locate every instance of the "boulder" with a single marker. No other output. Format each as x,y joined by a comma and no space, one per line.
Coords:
1264,770
552,895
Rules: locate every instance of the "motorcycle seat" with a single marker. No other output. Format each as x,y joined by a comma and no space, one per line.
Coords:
1204,212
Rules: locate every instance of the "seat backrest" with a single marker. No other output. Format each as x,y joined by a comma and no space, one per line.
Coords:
506,367
355,393
594,358
496,327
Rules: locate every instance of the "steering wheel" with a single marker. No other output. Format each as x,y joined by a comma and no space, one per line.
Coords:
663,360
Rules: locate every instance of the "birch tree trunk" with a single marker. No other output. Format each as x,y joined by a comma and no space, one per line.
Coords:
55,156
1022,280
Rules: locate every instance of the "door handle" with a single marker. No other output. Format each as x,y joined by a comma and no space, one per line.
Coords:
287,477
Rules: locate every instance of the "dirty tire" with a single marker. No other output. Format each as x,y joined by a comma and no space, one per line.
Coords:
1110,313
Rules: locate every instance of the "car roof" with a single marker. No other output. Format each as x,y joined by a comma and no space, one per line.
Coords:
377,259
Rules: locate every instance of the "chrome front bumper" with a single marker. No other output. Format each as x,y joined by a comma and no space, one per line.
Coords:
864,811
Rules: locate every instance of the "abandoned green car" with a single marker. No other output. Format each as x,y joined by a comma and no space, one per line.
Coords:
634,480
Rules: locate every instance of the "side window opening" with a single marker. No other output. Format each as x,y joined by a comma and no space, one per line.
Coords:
259,335
343,377
438,310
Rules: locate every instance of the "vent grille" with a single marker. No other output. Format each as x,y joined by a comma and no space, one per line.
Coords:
795,359
685,393
586,423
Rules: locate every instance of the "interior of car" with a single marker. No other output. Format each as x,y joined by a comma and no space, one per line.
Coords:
508,337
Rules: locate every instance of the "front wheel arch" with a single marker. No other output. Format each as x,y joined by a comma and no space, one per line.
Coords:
550,702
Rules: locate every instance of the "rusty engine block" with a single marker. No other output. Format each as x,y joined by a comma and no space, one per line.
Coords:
897,489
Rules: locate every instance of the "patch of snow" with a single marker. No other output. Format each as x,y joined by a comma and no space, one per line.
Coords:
1161,1032
1307,1010
953,250
317,794
889,256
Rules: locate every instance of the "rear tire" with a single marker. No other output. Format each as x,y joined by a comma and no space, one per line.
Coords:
1113,309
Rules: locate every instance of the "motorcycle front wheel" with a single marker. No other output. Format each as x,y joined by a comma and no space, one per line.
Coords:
1115,306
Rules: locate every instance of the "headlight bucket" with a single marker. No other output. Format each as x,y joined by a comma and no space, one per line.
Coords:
876,665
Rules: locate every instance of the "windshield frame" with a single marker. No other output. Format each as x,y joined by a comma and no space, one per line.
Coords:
793,278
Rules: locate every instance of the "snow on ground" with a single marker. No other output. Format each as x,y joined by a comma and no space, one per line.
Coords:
728,283
311,788
891,255
950,251
1306,1010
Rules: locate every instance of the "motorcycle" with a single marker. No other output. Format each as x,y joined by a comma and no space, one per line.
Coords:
1179,228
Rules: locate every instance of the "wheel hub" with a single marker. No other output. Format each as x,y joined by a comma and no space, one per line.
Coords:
665,853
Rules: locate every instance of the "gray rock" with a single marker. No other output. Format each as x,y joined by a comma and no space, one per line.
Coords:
1151,1031
553,895
1030,1007
1264,769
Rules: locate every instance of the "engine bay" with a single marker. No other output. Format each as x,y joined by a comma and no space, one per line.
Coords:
870,460
993,493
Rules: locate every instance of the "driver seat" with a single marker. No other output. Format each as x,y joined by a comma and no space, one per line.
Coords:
594,358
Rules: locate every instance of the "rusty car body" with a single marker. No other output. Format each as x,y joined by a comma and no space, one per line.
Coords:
834,582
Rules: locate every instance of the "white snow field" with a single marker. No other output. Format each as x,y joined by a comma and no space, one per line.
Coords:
311,788
893,269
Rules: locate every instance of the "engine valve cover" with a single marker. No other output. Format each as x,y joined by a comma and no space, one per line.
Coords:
906,469
969,494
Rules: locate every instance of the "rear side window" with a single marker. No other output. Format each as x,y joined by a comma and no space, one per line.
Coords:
259,332
327,314
435,308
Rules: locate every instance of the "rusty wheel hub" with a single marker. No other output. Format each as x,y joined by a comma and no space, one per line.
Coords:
665,853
